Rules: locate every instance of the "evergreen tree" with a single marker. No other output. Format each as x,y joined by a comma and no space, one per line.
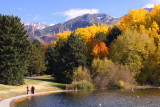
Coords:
14,50
70,55
37,59
113,34
50,57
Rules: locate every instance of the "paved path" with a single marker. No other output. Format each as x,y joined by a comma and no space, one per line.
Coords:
7,102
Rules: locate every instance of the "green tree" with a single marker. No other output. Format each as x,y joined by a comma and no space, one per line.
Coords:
113,34
131,49
49,56
150,73
14,50
37,59
71,55
100,36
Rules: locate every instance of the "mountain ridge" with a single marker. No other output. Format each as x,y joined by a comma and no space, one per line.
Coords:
46,34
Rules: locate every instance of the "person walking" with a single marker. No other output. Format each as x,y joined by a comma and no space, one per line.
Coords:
28,90
33,88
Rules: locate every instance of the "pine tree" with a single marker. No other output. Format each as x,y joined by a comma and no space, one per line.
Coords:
113,34
37,59
50,56
68,56
14,50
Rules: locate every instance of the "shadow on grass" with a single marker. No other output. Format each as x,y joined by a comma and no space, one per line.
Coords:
60,86
47,80
52,80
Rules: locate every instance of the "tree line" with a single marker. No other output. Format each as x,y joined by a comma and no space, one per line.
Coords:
96,56
18,57
131,46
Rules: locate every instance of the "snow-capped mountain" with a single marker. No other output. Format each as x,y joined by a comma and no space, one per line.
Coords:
47,33
36,25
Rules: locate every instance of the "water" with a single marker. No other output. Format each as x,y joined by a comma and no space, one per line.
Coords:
98,98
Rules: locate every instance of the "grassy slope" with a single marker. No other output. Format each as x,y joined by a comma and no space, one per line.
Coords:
41,83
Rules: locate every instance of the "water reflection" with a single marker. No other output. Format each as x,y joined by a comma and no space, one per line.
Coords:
103,98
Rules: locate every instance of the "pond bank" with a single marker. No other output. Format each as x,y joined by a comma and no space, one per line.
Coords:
41,84
10,101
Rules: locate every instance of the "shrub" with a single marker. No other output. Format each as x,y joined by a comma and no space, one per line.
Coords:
81,74
120,84
107,74
84,85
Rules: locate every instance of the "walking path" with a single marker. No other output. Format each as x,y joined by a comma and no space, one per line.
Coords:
7,102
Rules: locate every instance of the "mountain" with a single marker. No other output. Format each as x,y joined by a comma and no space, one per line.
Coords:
34,31
36,25
81,22
47,33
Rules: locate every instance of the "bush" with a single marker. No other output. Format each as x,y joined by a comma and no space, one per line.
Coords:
84,85
81,74
106,74
120,84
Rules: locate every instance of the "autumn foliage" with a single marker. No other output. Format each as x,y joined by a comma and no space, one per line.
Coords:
89,33
133,44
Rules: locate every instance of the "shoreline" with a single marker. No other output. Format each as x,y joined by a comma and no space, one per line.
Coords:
9,102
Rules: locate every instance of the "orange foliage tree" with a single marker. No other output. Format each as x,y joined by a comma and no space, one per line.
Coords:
97,49
100,50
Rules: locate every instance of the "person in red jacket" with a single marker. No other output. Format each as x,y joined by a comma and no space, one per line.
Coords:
33,88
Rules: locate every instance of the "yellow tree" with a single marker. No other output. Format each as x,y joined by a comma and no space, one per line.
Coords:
153,32
132,49
155,14
63,36
88,33
134,19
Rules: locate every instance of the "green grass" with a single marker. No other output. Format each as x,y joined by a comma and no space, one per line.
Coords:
41,83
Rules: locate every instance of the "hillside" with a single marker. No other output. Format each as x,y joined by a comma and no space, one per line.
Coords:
47,33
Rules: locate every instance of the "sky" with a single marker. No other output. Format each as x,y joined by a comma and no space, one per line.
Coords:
52,12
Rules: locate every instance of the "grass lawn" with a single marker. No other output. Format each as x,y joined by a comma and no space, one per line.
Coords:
41,84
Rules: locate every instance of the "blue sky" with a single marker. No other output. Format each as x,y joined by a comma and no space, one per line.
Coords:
58,11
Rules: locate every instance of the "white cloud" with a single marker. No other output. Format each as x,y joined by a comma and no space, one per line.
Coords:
149,6
51,24
151,3
72,13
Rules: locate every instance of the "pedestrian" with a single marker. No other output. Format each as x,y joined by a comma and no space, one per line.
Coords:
33,88
28,90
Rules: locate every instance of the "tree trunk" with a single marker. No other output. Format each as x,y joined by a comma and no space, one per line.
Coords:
30,73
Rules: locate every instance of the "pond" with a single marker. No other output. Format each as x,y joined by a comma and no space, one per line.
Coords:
97,98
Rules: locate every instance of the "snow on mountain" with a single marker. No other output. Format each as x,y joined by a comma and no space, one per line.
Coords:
36,25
